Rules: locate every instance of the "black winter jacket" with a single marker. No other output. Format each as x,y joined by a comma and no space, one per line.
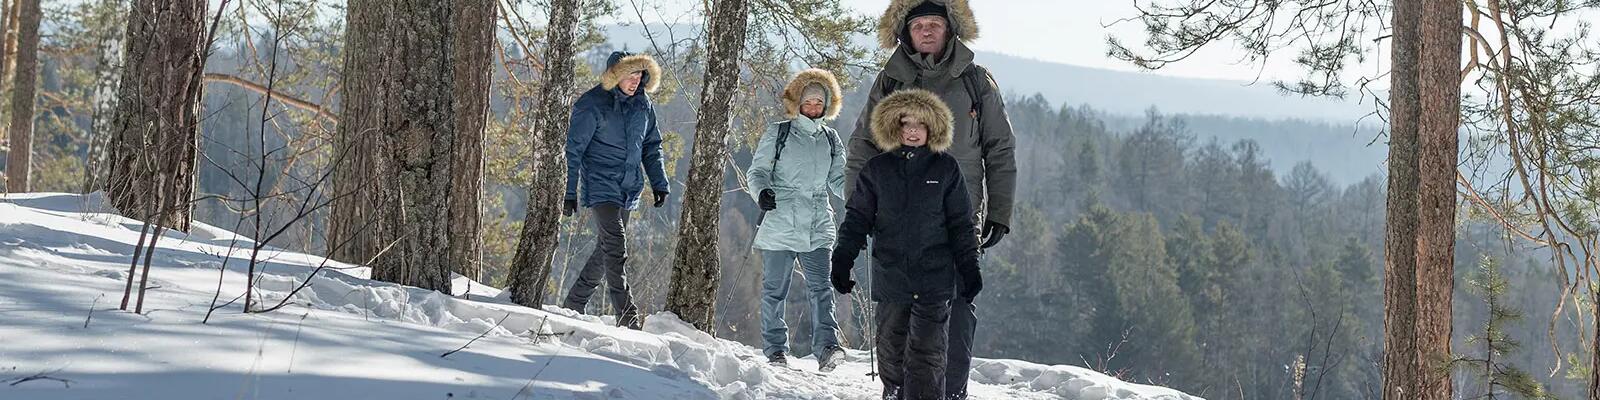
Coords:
914,204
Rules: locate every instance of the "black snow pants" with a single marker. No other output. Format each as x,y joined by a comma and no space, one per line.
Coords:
607,262
911,349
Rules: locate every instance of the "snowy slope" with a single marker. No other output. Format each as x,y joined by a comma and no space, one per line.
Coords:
347,337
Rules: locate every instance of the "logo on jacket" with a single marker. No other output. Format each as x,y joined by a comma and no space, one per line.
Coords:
933,182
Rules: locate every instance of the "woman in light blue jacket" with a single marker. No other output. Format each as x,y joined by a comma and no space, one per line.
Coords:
797,164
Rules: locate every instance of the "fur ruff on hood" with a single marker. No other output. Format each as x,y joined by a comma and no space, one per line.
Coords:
792,94
629,64
963,24
917,103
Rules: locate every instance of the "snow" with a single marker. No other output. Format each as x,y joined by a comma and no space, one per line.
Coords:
63,261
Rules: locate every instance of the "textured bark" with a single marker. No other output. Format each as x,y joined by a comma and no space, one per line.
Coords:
474,52
696,267
6,25
1439,68
19,164
8,45
536,246
364,89
416,142
155,127
1399,267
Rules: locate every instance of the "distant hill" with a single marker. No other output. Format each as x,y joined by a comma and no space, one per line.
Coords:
1290,129
1131,93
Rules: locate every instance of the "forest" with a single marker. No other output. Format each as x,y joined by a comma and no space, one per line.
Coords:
1142,249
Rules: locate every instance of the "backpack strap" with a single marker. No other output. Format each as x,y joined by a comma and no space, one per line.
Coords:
777,151
833,140
978,86
888,86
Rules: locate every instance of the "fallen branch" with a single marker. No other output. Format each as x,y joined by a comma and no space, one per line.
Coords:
42,377
480,336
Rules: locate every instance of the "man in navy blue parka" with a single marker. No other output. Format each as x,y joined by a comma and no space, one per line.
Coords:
613,144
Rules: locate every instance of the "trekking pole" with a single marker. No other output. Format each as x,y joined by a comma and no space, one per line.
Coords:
868,332
744,265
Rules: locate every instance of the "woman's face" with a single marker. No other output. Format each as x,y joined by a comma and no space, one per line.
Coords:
913,133
811,108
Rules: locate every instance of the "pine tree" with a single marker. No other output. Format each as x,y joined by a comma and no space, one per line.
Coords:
1122,277
1500,376
1439,124
536,245
366,70
1151,159
696,265
396,142
156,126
1159,321
19,163
472,54
1085,248
415,146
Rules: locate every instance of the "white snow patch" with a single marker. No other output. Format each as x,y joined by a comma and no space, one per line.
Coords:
345,336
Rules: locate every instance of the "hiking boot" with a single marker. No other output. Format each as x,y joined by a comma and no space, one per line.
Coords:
631,322
777,360
831,358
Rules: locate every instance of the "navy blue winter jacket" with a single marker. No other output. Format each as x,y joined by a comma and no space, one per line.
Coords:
612,144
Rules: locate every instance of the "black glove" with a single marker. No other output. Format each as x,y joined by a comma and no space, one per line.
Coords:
992,232
769,200
840,275
971,283
569,207
661,198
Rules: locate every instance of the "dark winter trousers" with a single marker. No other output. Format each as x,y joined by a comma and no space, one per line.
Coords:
911,349
963,326
607,261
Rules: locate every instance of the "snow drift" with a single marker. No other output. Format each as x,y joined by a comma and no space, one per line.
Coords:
63,261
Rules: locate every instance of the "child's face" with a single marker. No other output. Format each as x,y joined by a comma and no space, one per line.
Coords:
913,133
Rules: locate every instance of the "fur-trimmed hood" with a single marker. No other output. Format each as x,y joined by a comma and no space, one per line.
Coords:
797,87
620,64
963,24
921,104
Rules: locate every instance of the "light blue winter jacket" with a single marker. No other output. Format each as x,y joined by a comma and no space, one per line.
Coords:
808,171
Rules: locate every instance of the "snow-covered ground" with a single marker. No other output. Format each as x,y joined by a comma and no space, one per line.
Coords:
347,337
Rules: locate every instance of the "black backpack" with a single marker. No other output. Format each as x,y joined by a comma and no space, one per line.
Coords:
783,136
975,79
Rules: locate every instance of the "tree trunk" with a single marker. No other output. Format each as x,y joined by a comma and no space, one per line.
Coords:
536,246
8,44
416,142
108,54
19,163
692,295
1439,68
352,219
155,128
1399,268
7,23
473,55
